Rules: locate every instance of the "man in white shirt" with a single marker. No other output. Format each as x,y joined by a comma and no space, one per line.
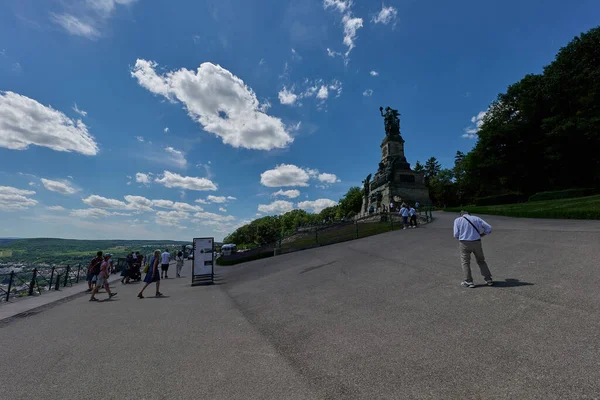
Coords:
165,258
469,230
412,213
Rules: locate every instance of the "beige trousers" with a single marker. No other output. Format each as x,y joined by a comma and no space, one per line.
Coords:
467,247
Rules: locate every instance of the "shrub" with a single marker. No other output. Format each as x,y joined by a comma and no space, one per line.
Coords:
507,198
563,194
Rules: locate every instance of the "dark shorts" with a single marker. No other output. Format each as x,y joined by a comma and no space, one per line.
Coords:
405,220
164,267
89,277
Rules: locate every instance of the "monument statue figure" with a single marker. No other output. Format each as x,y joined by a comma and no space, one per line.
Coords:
366,183
391,121
389,170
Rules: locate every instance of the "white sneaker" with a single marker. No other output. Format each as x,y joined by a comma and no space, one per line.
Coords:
467,284
403,228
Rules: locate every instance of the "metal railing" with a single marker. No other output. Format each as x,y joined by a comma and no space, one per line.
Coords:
39,280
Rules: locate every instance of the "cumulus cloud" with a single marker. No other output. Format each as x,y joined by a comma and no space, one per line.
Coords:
368,93
138,203
277,207
328,178
477,122
316,206
166,130
25,122
219,101
323,93
143,178
287,97
90,213
96,201
223,209
374,73
78,111
212,217
62,187
171,218
56,208
386,15
351,24
173,180
290,194
216,199
13,199
284,175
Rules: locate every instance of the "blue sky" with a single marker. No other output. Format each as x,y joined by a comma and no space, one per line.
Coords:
170,120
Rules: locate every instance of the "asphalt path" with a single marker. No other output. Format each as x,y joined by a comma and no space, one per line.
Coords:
378,318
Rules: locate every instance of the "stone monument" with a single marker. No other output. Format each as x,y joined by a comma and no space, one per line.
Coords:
394,181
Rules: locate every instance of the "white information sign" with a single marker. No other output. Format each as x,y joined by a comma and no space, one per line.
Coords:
203,256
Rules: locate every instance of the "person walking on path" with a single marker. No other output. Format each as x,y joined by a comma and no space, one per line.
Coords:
412,213
165,264
152,275
102,281
93,270
469,230
127,268
404,213
179,263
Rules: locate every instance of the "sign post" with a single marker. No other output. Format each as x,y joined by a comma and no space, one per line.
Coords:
203,261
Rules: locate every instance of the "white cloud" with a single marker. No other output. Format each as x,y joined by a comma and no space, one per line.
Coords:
295,55
216,199
56,208
332,53
284,175
231,198
90,213
328,178
287,97
262,61
202,201
77,26
175,157
78,111
173,180
61,187
212,217
351,24
386,15
316,206
86,18
368,93
25,122
13,199
290,194
277,207
96,201
176,205
166,130
218,100
140,139
143,178
477,122
323,93
171,218
223,209
32,184
374,73
138,203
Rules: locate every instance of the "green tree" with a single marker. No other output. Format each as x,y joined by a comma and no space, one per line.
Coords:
350,203
419,167
432,168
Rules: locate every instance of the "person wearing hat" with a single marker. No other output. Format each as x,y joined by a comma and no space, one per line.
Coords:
469,230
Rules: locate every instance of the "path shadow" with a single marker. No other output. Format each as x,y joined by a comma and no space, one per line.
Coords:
511,283
159,297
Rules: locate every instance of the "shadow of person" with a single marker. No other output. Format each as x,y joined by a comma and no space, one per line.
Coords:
511,283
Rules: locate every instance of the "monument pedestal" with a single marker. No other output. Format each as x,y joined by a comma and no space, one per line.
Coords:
395,182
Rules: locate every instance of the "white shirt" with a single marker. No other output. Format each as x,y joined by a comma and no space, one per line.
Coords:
165,257
412,212
404,212
464,231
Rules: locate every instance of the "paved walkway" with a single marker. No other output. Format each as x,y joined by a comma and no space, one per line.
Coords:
377,318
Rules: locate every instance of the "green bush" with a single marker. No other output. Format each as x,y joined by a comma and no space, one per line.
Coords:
507,198
224,262
564,194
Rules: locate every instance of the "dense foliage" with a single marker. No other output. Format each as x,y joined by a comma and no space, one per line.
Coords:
267,230
542,134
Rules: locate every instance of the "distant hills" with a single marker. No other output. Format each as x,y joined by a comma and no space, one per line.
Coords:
73,251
